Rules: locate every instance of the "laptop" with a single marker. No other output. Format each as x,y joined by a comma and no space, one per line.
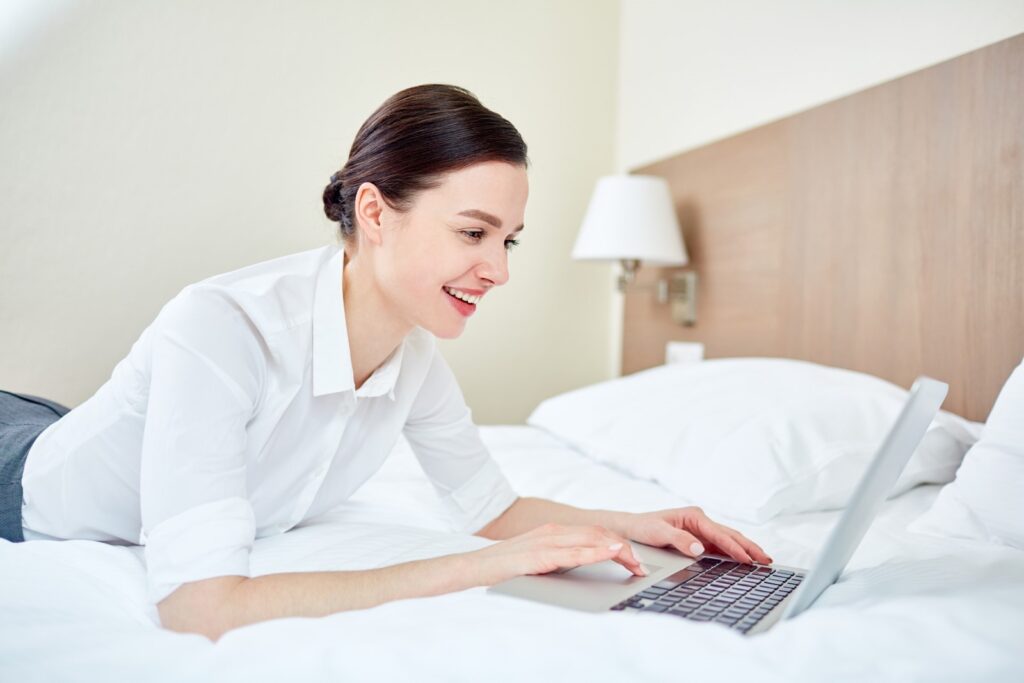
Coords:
750,598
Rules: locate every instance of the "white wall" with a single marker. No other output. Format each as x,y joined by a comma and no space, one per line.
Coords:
148,144
692,71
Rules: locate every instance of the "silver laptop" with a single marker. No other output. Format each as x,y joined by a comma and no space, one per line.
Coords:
747,597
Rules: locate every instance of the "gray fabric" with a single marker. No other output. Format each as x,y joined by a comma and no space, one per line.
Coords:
23,418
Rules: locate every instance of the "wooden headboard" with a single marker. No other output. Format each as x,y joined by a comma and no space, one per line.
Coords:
882,232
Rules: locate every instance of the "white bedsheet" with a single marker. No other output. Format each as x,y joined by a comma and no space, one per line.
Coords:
910,607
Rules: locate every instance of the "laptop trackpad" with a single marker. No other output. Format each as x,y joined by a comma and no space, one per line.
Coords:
592,587
604,572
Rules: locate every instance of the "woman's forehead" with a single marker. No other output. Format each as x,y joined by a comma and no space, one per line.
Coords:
494,192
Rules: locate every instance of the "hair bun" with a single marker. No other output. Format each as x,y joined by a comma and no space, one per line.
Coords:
334,204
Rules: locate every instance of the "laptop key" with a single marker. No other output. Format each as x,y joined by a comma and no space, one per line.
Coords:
655,607
681,576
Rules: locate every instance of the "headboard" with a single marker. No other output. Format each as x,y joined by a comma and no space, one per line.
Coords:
882,232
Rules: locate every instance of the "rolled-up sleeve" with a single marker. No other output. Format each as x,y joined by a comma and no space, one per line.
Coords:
447,443
205,380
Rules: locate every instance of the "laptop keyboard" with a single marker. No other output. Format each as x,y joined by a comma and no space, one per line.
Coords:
737,595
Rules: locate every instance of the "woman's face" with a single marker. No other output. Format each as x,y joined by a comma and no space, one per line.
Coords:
453,242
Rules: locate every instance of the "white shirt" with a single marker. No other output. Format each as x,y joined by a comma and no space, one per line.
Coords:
235,416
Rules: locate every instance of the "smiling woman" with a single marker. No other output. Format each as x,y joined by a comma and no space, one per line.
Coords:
431,160
265,396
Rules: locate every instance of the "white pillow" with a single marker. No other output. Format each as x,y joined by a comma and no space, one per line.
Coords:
750,437
986,501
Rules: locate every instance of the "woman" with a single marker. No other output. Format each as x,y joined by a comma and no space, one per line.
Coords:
263,397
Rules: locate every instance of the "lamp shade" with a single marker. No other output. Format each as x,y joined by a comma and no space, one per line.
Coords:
631,217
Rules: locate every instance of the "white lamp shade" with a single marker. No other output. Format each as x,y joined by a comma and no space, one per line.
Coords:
631,217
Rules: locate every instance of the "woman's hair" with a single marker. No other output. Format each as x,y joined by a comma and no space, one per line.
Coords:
416,136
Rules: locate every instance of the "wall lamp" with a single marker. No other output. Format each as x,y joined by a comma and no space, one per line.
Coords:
631,219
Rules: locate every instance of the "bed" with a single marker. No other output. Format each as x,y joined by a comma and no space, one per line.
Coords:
910,606
933,284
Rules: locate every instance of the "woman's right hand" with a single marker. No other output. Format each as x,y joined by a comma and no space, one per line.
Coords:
549,548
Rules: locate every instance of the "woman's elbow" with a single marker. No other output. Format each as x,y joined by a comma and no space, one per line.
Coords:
200,607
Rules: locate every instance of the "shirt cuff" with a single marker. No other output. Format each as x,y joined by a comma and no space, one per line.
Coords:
206,541
480,500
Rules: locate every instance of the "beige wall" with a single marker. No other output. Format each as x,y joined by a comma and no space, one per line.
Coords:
150,144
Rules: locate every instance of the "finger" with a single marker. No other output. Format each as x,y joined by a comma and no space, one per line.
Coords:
599,537
731,547
687,543
624,554
593,536
628,559
753,549
720,535
581,555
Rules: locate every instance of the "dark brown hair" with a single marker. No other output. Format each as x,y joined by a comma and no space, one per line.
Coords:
415,137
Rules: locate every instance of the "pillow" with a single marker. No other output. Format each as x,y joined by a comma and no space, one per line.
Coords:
986,500
750,438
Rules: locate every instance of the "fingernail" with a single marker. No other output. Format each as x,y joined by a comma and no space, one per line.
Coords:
696,549
614,546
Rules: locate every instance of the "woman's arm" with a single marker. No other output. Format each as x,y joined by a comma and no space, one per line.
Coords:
530,513
212,607
687,529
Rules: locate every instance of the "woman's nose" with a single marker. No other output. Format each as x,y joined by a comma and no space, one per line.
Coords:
495,267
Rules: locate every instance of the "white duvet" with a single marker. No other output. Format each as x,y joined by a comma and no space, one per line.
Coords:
909,607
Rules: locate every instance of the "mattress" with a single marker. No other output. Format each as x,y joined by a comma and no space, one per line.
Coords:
908,607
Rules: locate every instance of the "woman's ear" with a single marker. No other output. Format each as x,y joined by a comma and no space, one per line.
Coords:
368,207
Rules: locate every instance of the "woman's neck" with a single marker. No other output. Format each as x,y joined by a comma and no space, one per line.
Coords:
374,331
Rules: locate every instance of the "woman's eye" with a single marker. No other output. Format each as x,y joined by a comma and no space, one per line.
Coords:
477,235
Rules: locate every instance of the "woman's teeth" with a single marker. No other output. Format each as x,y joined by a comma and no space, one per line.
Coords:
459,295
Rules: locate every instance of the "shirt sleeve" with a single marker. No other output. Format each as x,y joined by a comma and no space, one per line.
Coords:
205,380
447,444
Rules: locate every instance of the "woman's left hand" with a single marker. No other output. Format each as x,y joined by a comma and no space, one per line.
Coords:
689,531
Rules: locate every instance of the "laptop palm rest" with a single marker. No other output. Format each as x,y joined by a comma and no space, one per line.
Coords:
591,588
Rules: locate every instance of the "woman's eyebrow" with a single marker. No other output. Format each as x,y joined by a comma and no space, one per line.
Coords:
486,217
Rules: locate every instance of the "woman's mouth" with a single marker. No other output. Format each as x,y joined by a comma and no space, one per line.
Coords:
464,303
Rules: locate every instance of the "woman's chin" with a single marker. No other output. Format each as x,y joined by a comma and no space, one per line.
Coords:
450,331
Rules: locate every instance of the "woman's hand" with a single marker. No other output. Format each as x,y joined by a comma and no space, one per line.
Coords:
549,548
689,531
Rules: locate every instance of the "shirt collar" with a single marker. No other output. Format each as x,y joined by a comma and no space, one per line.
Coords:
332,357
